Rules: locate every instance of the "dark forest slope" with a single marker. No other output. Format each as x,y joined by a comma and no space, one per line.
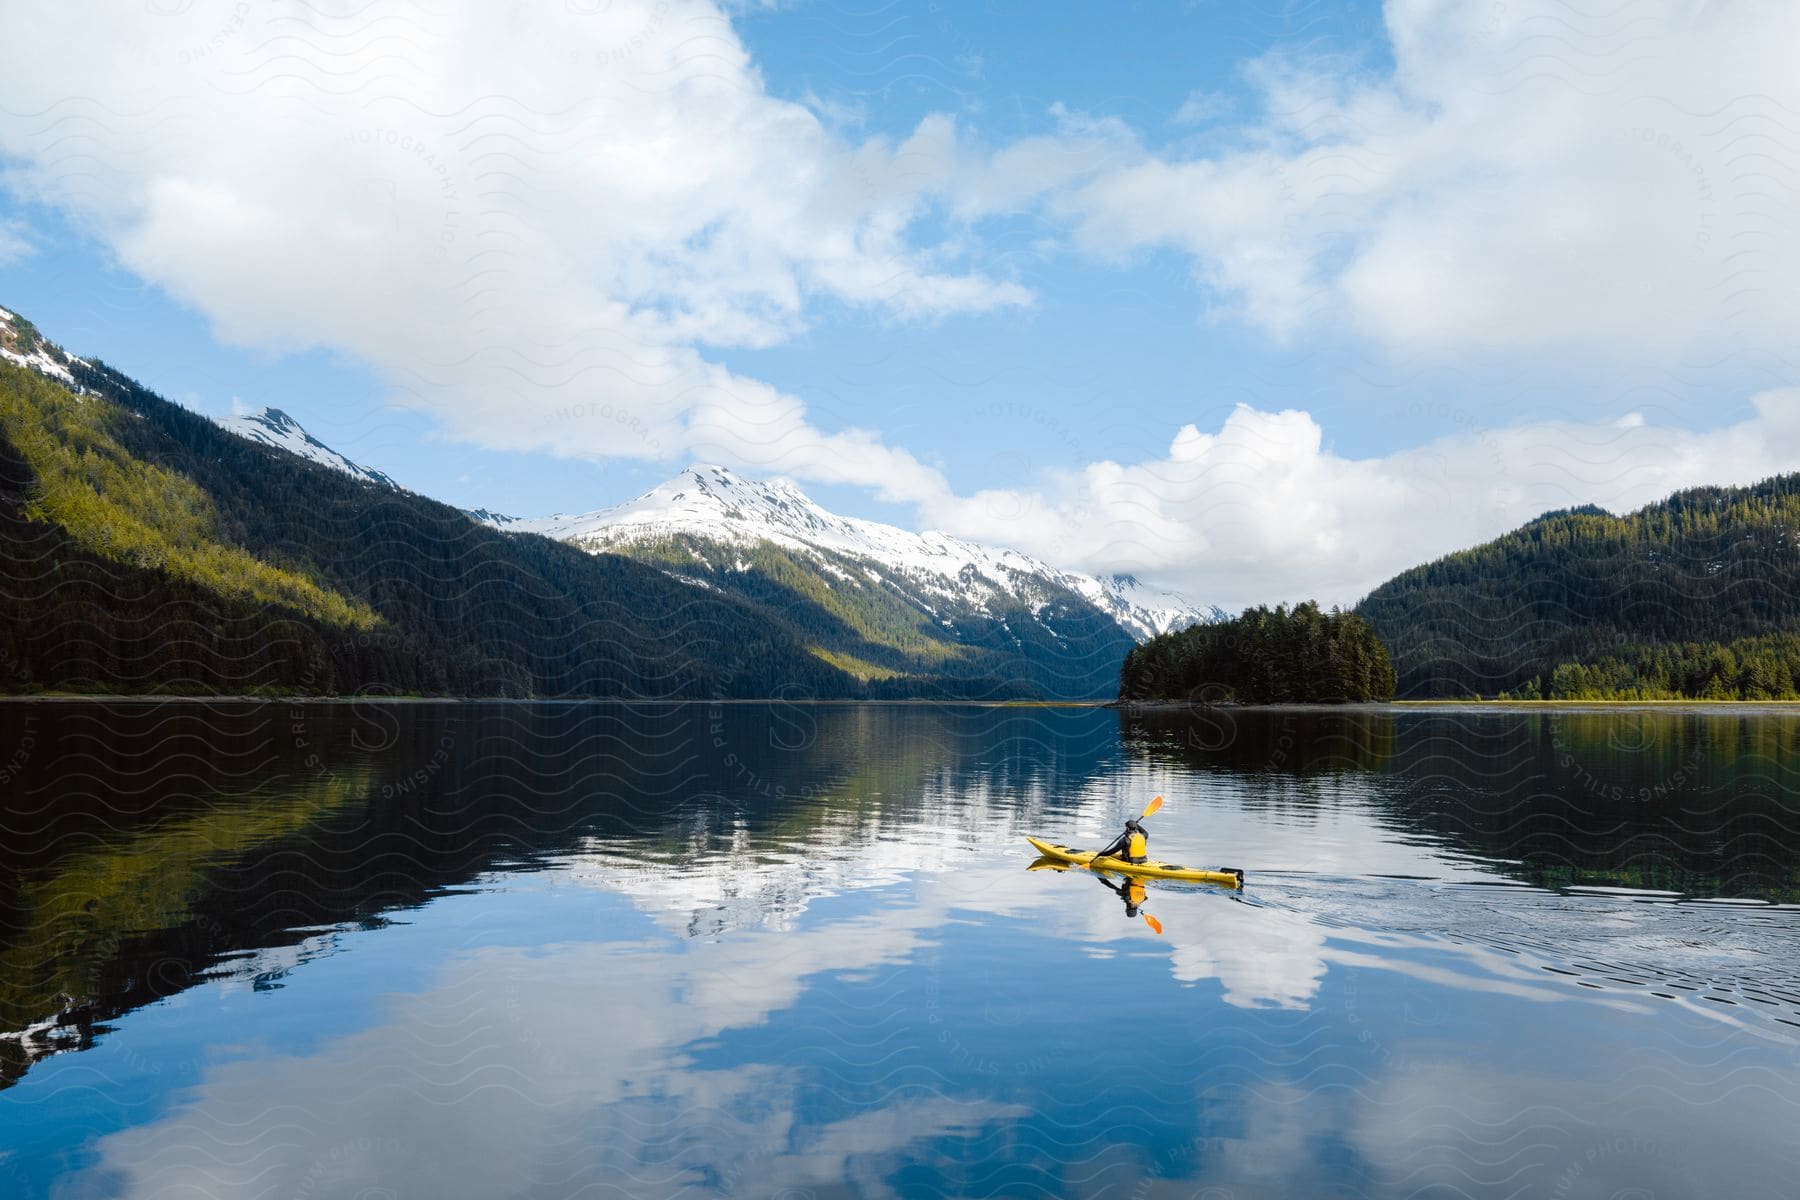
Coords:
1583,603
143,548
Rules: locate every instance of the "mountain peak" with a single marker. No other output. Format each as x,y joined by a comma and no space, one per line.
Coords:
714,500
715,503
716,480
273,427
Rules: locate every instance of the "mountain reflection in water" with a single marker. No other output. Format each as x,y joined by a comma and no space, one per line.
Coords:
479,950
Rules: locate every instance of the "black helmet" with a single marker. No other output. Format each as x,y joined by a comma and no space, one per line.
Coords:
1132,823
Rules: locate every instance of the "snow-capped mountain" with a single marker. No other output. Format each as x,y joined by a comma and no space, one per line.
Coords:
942,575
21,344
718,505
272,427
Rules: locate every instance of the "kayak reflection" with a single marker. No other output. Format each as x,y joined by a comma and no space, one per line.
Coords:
1130,888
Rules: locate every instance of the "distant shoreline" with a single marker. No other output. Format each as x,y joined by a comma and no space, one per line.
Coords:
1476,706
150,698
1387,707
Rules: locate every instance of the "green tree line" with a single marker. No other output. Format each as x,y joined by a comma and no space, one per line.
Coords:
1265,656
1760,668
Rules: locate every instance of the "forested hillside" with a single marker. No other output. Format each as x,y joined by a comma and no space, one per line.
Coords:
1061,646
1697,595
144,549
1265,656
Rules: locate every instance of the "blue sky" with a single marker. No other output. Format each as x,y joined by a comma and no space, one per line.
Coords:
1253,302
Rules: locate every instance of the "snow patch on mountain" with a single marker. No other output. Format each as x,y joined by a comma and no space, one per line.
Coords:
718,504
21,344
272,427
488,517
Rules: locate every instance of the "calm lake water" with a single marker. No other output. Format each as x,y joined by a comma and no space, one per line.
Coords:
485,951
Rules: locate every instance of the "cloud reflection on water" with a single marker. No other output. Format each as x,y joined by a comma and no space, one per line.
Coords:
862,989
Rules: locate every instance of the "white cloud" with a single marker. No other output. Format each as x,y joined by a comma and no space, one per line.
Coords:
532,221
1528,176
1261,511
15,241
537,224
1202,107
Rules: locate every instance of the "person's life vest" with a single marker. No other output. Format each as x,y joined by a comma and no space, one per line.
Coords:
1134,892
1137,846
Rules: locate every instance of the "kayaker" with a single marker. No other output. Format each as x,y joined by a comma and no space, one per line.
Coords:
1130,889
1132,846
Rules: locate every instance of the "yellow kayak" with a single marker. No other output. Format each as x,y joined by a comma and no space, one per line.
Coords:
1230,877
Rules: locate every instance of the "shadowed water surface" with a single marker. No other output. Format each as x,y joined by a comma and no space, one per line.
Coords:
477,951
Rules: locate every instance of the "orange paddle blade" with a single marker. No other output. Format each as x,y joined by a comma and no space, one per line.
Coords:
1151,807
1153,923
